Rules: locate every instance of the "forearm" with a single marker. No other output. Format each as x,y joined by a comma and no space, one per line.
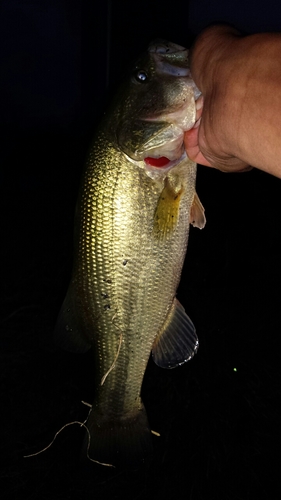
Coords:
240,78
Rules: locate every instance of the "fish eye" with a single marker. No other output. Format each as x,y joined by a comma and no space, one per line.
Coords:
141,76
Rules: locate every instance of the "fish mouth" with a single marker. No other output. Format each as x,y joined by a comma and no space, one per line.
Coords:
161,46
165,155
170,58
157,167
161,152
182,118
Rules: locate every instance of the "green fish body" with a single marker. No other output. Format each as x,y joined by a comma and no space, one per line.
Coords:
135,205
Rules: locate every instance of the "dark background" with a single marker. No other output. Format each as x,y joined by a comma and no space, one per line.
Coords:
218,416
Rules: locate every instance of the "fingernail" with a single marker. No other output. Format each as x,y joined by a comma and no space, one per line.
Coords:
197,123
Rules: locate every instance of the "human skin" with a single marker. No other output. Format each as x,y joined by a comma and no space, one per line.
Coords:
239,117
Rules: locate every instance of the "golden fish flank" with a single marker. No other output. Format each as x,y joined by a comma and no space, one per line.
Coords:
136,202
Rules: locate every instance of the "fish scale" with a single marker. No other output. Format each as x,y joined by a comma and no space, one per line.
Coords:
134,289
131,232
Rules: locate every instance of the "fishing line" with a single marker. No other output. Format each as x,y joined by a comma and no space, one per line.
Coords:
82,424
114,362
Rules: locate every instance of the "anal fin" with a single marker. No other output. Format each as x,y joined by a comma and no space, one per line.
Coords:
178,342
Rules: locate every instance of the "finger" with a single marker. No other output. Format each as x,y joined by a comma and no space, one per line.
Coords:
192,148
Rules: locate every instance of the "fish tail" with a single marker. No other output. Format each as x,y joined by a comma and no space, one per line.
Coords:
118,441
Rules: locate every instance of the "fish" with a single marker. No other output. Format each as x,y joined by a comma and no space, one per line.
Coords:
135,205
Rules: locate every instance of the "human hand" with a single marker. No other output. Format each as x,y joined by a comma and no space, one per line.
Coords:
211,141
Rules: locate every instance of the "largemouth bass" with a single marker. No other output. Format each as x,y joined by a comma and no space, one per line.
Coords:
135,205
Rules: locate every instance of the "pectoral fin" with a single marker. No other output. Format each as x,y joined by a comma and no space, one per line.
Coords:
197,213
178,342
167,210
67,332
